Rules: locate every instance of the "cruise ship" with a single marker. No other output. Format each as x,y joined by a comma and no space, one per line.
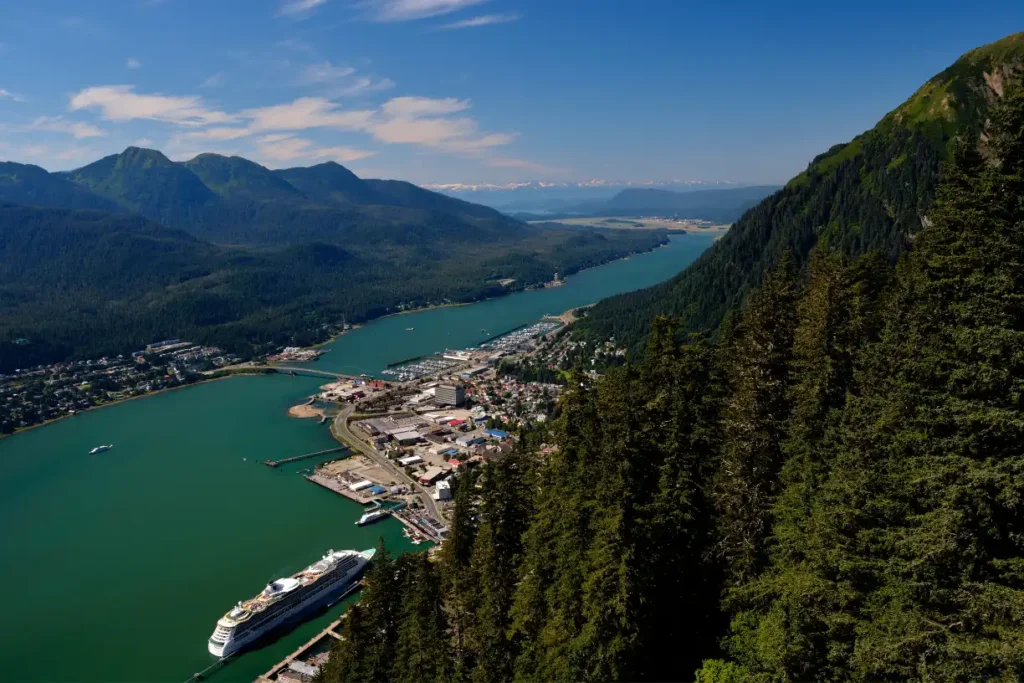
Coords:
284,600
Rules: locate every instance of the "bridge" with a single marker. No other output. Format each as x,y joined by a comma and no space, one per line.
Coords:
311,371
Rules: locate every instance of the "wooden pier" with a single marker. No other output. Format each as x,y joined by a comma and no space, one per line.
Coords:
304,456
330,632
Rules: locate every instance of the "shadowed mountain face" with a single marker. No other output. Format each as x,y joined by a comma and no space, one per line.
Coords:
870,194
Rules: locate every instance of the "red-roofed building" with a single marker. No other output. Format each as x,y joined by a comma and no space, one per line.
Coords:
455,463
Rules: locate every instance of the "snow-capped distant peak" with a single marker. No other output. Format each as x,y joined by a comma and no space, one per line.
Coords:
547,184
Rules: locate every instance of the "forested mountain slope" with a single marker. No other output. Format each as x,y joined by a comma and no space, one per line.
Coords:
831,491
871,193
28,184
84,284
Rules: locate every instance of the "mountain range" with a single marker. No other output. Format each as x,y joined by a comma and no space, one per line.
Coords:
136,247
871,194
717,205
538,196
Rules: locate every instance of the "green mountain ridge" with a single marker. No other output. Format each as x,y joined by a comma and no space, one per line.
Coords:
871,193
238,178
231,200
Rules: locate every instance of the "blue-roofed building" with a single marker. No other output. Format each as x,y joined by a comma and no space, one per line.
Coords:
497,434
377,490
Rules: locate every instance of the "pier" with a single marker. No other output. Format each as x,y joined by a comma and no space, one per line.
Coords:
339,488
328,632
304,456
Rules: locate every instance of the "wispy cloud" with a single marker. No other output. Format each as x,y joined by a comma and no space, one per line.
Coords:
307,112
288,148
120,103
402,107
8,95
438,123
324,72
482,20
213,81
133,63
408,10
299,9
219,133
59,124
363,86
426,121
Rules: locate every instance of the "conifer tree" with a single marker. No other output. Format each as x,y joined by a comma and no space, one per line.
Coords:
460,586
422,649
753,424
497,554
547,611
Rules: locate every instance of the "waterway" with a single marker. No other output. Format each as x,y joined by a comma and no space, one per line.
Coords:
368,349
115,567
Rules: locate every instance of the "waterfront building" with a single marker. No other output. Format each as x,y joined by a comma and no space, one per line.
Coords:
450,394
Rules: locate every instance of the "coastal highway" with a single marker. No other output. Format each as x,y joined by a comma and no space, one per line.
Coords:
342,431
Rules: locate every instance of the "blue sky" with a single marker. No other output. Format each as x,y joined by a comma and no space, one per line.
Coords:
473,91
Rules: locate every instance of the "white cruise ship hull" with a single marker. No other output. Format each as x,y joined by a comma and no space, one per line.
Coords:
315,601
318,598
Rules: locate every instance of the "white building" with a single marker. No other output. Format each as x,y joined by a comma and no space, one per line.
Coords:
443,490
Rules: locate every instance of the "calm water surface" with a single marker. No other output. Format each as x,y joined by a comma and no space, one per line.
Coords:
370,348
115,567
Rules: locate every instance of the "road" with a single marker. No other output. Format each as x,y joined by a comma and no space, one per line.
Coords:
342,430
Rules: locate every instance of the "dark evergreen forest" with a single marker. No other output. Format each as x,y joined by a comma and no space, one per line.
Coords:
830,489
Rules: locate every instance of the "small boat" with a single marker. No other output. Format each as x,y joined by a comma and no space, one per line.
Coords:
375,515
101,449
409,329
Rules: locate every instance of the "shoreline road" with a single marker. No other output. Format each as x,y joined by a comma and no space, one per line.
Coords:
344,434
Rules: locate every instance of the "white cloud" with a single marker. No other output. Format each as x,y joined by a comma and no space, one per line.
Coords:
218,133
437,123
423,121
483,20
299,8
59,124
133,63
307,112
119,103
363,86
423,106
287,148
324,72
213,81
8,95
407,10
